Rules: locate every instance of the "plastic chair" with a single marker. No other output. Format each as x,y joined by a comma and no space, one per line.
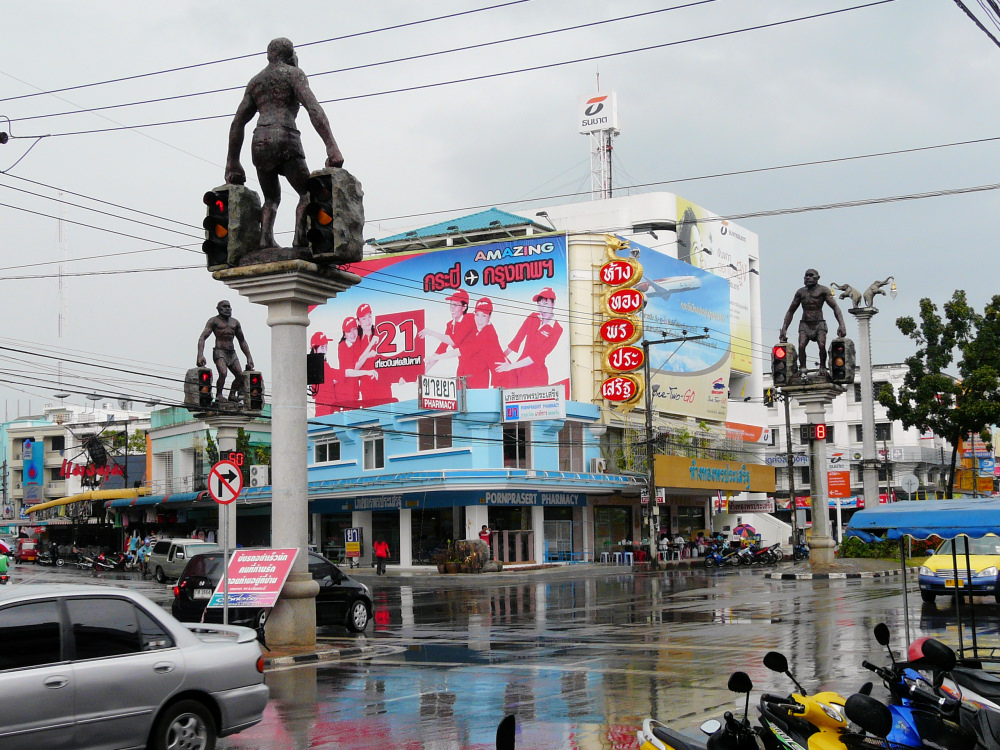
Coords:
616,558
605,557
628,558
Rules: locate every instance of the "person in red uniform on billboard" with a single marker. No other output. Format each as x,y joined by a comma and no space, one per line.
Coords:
485,353
375,389
457,337
539,335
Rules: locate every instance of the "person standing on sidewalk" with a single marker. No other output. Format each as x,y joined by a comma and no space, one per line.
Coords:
381,548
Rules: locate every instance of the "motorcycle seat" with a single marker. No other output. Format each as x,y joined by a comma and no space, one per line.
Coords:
676,740
984,683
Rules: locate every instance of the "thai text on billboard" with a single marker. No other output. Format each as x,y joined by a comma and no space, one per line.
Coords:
493,315
255,577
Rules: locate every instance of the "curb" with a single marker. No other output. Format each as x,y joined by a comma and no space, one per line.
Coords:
331,654
831,576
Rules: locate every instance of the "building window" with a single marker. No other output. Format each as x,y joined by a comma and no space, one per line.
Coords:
515,445
374,453
883,433
858,431
805,476
433,433
571,447
857,393
859,474
58,443
326,451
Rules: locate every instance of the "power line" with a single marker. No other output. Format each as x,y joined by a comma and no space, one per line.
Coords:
255,54
393,61
976,21
488,76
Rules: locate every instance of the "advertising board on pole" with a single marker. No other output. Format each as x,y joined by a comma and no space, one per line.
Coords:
254,577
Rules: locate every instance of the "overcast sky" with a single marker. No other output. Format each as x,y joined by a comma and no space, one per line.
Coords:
907,74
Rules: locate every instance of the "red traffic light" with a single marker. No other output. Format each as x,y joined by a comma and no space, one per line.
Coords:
779,352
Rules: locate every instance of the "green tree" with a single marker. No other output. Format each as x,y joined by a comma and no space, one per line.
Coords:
931,399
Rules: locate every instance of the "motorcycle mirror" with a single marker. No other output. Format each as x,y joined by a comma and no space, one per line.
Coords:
882,634
711,726
776,662
869,714
739,682
505,733
940,658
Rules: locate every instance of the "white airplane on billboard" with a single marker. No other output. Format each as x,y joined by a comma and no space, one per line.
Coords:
664,288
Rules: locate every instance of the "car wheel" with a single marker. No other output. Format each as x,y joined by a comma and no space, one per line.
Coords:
260,619
930,596
160,575
186,724
357,618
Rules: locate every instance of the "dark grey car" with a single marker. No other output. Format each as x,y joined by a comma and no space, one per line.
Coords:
102,668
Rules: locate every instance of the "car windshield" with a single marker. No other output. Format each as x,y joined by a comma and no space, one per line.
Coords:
205,566
196,549
987,545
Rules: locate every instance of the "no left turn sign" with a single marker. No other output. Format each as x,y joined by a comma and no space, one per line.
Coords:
225,481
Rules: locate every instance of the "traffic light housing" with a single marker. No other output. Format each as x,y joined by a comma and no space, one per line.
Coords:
842,361
335,216
784,364
232,225
216,224
255,390
769,397
198,394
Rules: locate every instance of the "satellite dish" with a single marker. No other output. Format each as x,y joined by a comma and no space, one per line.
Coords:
124,403
61,395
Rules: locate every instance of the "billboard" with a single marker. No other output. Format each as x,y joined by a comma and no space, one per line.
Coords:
689,378
32,476
494,315
707,241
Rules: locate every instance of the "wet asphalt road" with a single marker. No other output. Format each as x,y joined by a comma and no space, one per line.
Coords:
580,654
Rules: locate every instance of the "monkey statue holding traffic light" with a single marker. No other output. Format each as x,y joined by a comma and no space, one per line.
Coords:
812,327
226,328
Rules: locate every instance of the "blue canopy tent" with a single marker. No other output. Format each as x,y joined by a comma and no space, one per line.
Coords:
921,519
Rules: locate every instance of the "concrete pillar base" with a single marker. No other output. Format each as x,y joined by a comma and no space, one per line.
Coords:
821,551
292,622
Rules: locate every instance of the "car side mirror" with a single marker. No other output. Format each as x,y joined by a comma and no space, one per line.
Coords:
179,555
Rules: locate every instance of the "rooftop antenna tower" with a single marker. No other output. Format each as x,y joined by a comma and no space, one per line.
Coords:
597,117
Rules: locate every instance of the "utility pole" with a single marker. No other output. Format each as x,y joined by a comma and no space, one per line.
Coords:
654,510
791,472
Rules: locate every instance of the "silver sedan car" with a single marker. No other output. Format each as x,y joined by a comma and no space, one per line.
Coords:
91,667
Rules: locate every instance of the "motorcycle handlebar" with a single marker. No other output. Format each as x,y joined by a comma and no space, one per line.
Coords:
885,674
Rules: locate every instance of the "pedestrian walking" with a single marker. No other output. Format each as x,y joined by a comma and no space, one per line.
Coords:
381,548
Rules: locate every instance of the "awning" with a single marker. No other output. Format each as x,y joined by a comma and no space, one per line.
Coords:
924,518
93,495
176,497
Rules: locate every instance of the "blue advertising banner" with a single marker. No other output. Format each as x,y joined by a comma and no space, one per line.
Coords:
495,314
687,378
33,458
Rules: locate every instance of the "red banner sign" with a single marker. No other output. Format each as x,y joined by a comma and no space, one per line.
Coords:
625,301
617,272
625,359
621,389
618,331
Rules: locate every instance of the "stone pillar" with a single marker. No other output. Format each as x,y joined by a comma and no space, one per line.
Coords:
405,537
869,464
288,288
538,526
226,427
814,399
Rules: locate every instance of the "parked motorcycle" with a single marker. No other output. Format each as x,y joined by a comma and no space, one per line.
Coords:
51,556
84,561
800,551
114,561
729,734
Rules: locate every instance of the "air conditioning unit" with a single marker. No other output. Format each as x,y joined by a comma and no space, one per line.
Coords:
260,475
598,466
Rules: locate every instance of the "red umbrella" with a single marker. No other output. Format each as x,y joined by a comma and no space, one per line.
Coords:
4,548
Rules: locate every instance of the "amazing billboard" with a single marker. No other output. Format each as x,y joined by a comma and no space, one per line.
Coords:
707,241
689,378
493,314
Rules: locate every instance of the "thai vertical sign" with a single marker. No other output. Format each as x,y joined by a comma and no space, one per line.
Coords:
33,461
622,303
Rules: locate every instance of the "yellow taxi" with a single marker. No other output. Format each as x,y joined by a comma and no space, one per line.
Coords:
938,575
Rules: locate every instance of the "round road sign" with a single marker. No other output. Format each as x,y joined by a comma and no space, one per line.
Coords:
225,481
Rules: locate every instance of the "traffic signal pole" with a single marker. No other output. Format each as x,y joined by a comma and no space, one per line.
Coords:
791,472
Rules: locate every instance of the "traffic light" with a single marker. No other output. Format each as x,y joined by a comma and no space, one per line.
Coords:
336,217
198,389
842,361
232,225
769,397
216,223
255,390
783,364
321,237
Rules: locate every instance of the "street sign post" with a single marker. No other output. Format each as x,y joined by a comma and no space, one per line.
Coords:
225,482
